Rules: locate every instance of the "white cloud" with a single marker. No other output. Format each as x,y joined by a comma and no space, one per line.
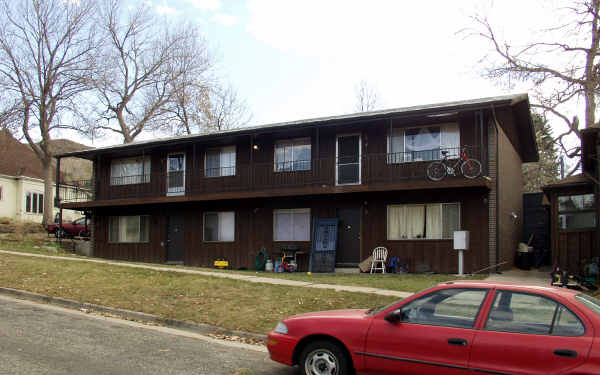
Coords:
206,4
166,10
226,19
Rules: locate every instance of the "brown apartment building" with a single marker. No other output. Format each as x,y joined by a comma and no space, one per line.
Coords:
194,199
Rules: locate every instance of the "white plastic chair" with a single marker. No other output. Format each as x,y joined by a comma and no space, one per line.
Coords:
380,254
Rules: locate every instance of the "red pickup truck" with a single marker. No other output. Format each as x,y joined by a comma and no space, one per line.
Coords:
75,228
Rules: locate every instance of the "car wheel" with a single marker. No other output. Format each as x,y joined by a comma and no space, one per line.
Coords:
323,358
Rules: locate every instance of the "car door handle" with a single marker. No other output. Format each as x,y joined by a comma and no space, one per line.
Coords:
565,353
458,342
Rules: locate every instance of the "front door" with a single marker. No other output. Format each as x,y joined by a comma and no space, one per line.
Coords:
175,239
176,174
348,159
348,249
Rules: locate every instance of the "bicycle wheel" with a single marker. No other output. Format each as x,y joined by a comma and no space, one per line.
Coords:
436,171
471,168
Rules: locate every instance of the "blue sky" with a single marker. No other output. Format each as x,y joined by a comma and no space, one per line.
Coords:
300,59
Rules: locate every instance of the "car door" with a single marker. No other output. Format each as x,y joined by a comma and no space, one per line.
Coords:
433,336
530,334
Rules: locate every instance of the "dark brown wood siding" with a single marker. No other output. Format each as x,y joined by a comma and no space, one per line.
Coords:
255,167
254,229
571,249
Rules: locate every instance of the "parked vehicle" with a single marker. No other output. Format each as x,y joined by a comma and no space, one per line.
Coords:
75,228
461,327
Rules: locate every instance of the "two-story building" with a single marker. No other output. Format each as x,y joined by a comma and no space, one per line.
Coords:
194,199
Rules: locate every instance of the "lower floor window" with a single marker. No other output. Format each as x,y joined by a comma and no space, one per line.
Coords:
34,203
129,229
291,225
219,226
422,221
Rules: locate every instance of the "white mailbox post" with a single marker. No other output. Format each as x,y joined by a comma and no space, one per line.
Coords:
461,243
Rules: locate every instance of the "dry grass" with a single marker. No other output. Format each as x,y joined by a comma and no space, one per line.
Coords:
230,304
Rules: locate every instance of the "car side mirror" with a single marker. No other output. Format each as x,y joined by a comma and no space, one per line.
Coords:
394,316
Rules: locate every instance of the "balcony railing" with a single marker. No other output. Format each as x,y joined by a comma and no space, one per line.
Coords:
370,169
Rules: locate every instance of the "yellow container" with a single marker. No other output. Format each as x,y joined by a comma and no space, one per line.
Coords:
220,263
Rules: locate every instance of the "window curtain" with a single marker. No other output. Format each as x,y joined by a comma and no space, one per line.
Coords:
226,226
228,161
451,140
433,224
283,226
422,143
450,219
291,225
395,222
130,171
415,221
396,146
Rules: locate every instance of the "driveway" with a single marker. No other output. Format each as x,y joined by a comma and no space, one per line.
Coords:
43,339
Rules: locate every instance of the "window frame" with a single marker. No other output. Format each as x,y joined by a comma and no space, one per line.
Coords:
144,178
576,211
176,192
293,142
475,319
337,158
112,241
220,149
392,159
497,293
218,226
387,228
36,196
292,211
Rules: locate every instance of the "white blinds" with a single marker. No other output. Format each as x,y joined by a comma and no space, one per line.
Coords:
291,225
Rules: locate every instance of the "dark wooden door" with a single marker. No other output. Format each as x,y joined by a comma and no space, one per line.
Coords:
175,239
348,249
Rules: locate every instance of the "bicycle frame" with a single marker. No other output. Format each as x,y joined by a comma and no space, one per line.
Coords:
451,169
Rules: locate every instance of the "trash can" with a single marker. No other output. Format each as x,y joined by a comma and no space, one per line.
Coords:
524,257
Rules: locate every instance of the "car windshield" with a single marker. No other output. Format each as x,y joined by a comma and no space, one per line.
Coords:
376,310
590,302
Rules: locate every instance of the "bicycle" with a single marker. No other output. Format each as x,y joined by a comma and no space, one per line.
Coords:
469,168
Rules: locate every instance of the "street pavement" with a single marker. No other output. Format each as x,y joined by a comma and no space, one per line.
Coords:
44,339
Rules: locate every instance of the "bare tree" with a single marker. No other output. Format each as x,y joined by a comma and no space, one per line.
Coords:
562,69
366,97
147,63
226,110
46,59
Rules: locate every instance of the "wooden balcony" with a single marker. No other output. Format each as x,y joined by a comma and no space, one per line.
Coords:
372,172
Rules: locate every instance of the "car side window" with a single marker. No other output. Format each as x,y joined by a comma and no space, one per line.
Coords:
567,323
531,314
447,307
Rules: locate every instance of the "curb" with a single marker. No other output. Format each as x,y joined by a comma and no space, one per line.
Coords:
204,329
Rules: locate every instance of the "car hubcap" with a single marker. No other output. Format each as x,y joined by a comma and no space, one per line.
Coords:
321,362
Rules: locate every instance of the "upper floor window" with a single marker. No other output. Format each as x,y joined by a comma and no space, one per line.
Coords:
576,211
34,203
423,143
130,171
293,155
220,162
423,221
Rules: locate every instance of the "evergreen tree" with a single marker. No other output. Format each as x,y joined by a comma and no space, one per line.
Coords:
546,170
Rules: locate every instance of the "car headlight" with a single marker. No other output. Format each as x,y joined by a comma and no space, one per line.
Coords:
281,328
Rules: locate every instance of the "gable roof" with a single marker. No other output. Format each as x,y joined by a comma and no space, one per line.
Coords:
18,159
519,102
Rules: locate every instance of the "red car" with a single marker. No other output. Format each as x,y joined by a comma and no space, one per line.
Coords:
461,327
70,229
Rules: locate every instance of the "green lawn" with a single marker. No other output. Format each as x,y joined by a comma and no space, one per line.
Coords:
226,303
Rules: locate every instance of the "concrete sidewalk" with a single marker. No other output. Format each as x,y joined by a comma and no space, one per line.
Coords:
249,278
